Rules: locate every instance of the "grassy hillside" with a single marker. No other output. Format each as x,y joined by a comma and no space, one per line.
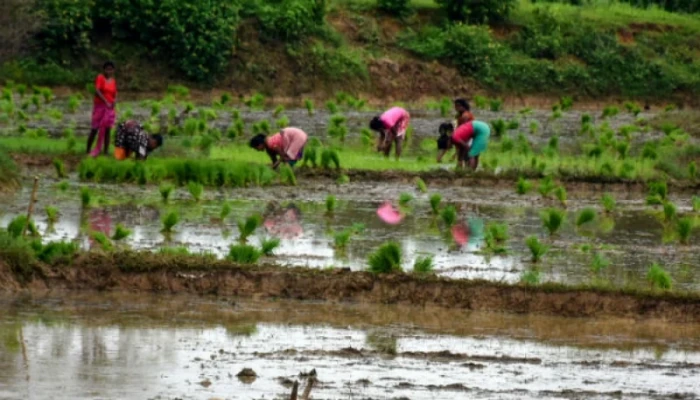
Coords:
310,47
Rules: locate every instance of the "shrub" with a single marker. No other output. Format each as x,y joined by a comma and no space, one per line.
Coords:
330,204
165,191
120,233
244,254
268,246
395,7
684,228
67,24
478,12
523,186
196,190
537,249
423,265
169,221
292,20
386,259
553,219
435,200
449,215
586,215
658,277
248,226
51,214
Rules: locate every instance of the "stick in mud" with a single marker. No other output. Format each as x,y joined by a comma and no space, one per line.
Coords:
32,200
307,389
295,389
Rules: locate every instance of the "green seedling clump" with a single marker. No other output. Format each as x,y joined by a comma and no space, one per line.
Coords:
244,254
684,228
560,193
60,168
309,105
531,277
449,215
287,175
343,180
102,239
537,249
328,157
523,186
658,277
609,203
599,263
341,239
165,190
435,200
546,187
174,251
51,214
54,251
225,211
553,219
421,186
696,203
386,259
85,197
268,246
169,221
120,233
196,190
585,216
330,204
248,226
495,237
658,193
669,211
18,224
423,265
405,198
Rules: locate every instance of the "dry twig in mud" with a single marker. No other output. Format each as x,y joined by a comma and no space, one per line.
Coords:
295,388
307,389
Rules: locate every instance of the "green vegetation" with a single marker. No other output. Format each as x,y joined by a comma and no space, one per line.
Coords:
85,197
101,239
658,277
449,215
268,246
196,190
560,194
51,214
165,191
330,204
244,254
169,221
608,202
523,186
495,237
531,277
599,263
435,200
421,186
553,219
684,228
386,259
248,226
537,248
120,233
585,216
60,168
342,238
225,211
18,225
404,199
423,265
54,251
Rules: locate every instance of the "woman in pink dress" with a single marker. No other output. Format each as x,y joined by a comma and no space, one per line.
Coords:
103,113
392,126
285,146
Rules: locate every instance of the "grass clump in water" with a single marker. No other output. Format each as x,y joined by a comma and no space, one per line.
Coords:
328,157
423,265
658,277
244,254
331,203
165,190
309,105
60,168
537,248
560,193
696,203
386,259
495,237
287,175
669,211
268,246
449,215
169,221
523,186
608,202
174,251
248,226
85,197
585,216
553,219
546,187
196,190
599,263
225,211
658,193
435,200
342,238
17,226
405,198
421,186
120,233
54,251
51,214
684,229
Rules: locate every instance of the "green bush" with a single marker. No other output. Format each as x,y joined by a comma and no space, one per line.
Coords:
477,11
291,20
196,37
67,25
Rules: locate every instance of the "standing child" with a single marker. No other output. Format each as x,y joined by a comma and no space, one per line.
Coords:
392,126
103,113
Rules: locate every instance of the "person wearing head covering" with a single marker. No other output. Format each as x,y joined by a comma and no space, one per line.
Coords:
132,139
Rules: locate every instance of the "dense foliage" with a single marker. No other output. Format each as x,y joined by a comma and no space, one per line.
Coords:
477,11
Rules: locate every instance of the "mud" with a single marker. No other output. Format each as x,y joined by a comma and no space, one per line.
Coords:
145,272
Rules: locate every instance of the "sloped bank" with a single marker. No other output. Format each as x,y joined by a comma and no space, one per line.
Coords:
147,272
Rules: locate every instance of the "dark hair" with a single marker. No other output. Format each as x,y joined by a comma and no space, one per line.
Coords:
108,64
376,124
446,128
159,141
443,142
257,141
463,103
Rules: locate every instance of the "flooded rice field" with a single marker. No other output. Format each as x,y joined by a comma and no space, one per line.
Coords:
630,239
111,345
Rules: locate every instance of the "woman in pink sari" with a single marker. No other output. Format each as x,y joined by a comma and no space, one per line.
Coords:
392,126
285,146
103,113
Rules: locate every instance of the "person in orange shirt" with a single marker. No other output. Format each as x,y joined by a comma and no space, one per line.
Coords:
103,114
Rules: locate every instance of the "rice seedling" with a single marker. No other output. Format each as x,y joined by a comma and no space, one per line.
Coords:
659,189
692,170
278,111
386,259
534,127
435,200
248,226
495,105
530,277
622,149
51,214
499,127
599,263
523,186
196,190
169,221
546,187
560,194
658,277
329,156
610,111
632,108
165,190
421,186
445,107
585,216
449,215
537,248
102,239
268,246
287,175
53,251
669,211
73,103
480,101
85,197
343,180
608,202
17,226
309,105
225,211
282,122
405,198
63,186
684,228
341,238
553,219
330,204
244,254
174,251
696,204
423,265
332,107
566,103
60,168
495,238
120,233
382,343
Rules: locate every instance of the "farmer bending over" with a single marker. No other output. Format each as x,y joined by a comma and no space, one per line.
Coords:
392,126
285,146
131,138
476,131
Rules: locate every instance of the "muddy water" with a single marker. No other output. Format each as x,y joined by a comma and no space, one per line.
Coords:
113,346
631,239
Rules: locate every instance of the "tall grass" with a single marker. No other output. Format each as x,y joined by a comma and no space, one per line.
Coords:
196,190
120,233
658,277
244,254
423,265
553,219
268,246
169,221
386,259
585,216
435,200
330,204
537,248
248,226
